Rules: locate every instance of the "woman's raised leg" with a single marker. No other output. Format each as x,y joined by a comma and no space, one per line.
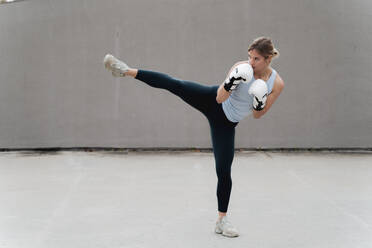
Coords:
199,96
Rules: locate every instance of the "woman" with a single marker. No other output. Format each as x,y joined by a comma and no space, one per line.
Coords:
223,106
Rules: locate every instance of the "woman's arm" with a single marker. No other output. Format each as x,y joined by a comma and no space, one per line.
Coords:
222,94
277,89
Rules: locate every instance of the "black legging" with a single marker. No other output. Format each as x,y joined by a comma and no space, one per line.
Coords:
203,98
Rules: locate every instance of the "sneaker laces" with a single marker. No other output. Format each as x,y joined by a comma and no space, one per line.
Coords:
227,225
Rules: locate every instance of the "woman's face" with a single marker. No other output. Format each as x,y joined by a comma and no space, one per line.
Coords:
257,61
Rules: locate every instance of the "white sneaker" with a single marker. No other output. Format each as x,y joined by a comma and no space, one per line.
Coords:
117,67
225,228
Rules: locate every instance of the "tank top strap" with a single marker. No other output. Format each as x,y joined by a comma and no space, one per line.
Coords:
271,80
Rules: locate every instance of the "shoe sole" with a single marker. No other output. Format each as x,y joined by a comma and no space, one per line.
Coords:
230,236
226,235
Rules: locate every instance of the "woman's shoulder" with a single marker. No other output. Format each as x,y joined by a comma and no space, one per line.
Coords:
278,81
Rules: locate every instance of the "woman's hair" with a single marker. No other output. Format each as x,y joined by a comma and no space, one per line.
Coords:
264,47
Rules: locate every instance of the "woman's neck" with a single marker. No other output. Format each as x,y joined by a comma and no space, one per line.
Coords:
263,74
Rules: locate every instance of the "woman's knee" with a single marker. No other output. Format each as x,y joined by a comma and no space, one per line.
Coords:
223,174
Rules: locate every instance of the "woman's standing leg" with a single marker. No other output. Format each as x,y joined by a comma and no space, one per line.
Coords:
223,149
223,140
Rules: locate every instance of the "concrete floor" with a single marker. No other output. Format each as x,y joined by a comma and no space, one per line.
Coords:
160,199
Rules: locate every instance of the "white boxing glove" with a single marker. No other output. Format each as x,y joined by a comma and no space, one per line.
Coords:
259,92
240,72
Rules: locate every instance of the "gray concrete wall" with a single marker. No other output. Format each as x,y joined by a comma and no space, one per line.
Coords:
54,91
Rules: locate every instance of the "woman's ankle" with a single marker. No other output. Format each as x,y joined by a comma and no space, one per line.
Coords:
221,215
131,72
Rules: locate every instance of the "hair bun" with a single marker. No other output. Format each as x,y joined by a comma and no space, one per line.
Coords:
275,52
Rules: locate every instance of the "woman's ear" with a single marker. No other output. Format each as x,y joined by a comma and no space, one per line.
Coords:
268,59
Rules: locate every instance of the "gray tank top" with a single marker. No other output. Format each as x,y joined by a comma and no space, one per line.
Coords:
240,103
